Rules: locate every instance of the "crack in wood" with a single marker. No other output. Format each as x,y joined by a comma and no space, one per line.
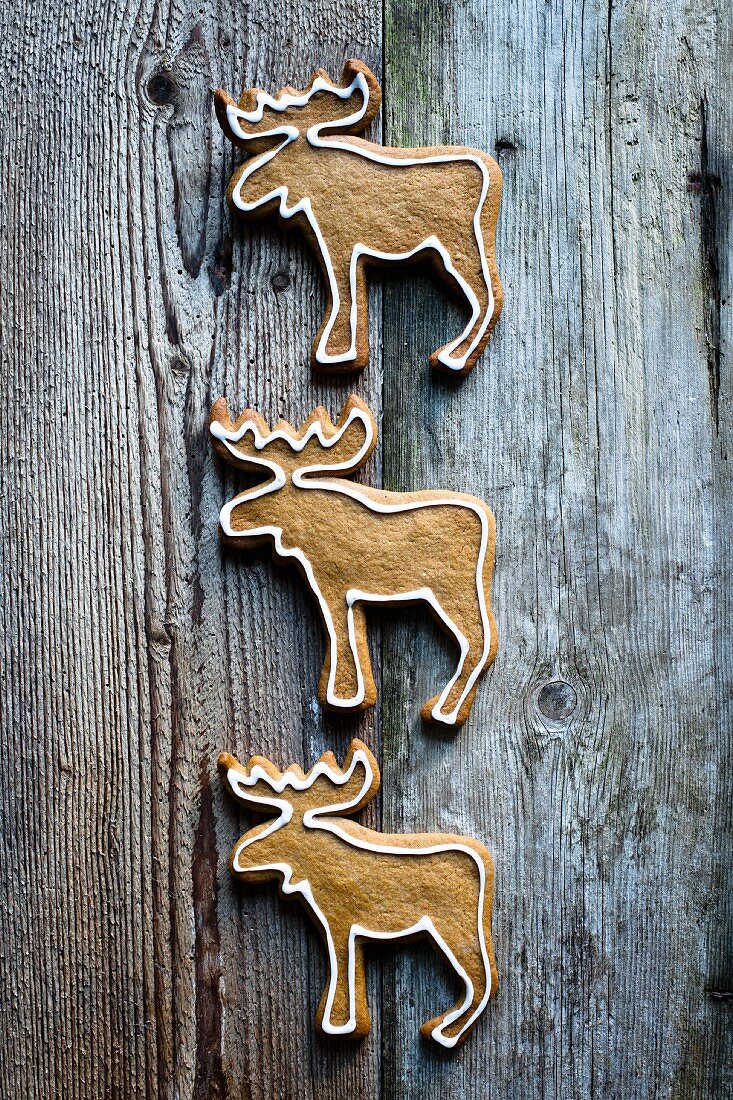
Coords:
706,184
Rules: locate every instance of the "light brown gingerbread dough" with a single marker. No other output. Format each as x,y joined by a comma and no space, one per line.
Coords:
359,203
360,547
359,885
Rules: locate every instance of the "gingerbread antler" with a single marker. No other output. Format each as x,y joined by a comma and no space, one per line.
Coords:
345,106
326,788
342,447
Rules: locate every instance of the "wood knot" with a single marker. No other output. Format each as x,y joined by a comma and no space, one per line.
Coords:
280,281
180,368
220,271
161,89
557,700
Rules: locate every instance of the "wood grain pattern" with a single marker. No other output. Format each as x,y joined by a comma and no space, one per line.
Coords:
596,436
596,764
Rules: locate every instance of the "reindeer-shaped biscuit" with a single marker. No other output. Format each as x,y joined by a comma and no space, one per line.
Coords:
359,203
360,885
356,545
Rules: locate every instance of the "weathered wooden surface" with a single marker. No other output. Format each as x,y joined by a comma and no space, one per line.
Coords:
598,427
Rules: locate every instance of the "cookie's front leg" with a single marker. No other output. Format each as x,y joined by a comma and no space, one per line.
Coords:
342,342
343,1009
346,682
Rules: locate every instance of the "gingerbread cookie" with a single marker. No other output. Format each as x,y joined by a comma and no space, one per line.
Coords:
359,546
360,885
359,203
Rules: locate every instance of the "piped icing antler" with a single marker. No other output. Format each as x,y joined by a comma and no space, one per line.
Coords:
255,784
330,787
344,789
346,106
341,447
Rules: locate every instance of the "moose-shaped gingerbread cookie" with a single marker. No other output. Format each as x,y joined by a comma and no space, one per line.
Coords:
356,545
360,203
360,885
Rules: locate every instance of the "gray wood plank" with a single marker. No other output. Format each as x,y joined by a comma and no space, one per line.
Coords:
596,427
134,649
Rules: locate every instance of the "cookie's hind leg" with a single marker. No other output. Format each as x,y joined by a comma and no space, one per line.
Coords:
472,276
453,705
347,681
470,960
342,341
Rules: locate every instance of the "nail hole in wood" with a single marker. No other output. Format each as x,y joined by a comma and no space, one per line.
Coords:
698,182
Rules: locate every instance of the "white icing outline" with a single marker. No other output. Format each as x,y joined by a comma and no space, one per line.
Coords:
313,136
353,595
239,780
